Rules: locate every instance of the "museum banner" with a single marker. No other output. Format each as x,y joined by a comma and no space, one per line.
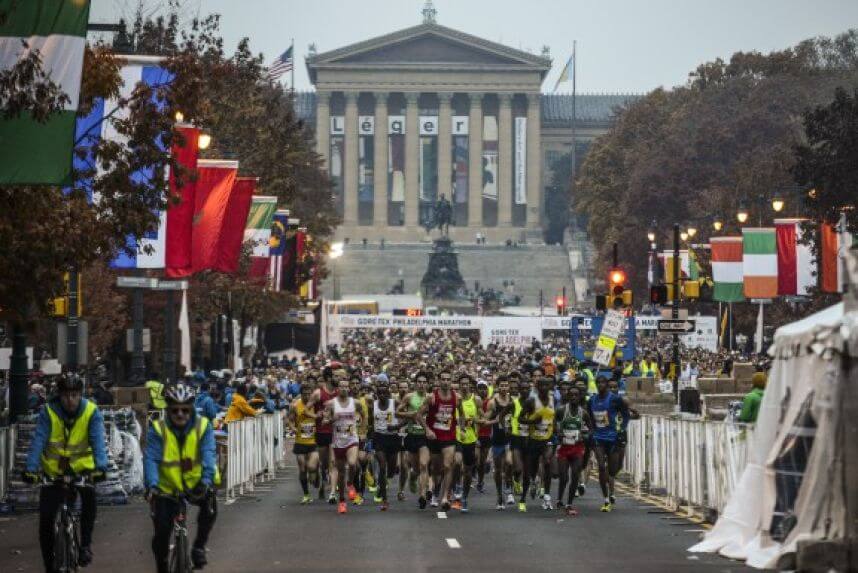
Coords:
521,161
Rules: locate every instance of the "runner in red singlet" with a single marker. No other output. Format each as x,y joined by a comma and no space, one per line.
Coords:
438,416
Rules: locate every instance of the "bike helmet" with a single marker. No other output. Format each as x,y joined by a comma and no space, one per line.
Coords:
70,382
179,394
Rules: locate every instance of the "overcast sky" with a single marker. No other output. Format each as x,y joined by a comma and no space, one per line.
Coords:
623,45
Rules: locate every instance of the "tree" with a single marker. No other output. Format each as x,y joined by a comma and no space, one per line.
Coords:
689,154
828,161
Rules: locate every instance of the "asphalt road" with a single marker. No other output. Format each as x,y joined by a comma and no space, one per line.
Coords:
271,531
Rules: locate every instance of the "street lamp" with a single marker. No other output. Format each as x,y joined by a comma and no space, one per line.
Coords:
778,203
204,141
683,235
180,117
335,253
692,231
742,214
650,234
717,224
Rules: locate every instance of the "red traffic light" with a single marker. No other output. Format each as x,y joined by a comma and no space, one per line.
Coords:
559,301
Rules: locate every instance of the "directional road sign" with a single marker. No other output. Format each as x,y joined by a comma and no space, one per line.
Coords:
675,325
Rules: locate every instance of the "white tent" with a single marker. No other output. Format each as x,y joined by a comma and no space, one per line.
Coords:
792,487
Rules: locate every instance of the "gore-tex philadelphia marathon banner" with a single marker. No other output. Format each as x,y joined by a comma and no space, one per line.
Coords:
377,321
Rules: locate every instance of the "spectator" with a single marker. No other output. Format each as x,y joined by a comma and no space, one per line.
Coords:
205,403
751,403
239,409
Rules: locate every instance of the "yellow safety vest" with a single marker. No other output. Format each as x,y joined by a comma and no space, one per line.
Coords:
181,467
156,394
648,368
629,368
69,448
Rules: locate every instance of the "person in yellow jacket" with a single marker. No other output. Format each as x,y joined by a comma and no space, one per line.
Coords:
156,394
239,408
68,440
649,367
180,459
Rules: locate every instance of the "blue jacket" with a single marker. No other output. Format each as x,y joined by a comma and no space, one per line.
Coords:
43,434
155,452
206,405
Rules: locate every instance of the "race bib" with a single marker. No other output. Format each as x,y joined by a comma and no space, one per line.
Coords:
601,418
442,418
523,429
308,429
571,437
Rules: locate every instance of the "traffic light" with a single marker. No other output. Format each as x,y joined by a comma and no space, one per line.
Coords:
616,280
59,307
560,304
658,294
601,302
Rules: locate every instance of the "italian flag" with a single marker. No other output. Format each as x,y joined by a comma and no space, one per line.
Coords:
36,153
258,229
796,266
727,269
760,262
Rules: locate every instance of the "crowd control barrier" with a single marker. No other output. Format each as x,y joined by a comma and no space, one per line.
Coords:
692,463
255,450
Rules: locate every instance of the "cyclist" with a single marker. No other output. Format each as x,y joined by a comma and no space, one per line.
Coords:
180,460
69,440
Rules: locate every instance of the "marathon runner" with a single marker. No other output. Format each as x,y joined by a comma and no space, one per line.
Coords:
438,416
322,396
302,421
385,438
603,408
468,415
539,413
484,436
498,417
415,440
573,424
342,414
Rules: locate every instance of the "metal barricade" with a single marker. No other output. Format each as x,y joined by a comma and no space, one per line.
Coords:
692,463
254,452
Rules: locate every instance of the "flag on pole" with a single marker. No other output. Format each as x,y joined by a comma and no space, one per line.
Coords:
566,74
727,269
215,181
666,258
760,262
34,152
834,242
232,233
281,65
796,266
180,214
258,230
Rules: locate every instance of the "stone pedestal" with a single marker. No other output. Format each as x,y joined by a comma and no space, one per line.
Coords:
442,279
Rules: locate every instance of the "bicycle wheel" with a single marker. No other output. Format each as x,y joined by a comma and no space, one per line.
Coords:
179,559
60,549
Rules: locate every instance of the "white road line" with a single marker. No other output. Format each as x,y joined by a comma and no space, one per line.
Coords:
452,543
441,515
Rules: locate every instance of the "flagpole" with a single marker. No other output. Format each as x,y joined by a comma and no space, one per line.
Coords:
292,81
574,118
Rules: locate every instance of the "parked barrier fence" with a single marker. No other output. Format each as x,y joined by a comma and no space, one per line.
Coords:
7,457
255,449
693,463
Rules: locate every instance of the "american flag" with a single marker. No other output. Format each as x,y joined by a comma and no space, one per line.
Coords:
281,65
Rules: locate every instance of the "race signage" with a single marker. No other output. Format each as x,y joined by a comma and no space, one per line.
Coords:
611,330
675,325
517,332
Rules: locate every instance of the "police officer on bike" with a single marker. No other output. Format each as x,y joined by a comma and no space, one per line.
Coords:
68,441
180,459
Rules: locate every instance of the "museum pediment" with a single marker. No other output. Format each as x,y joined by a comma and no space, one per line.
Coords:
427,45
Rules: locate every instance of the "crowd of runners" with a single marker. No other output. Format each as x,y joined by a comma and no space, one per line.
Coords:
433,416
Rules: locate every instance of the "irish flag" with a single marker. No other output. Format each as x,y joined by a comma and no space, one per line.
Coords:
796,266
33,152
258,230
760,262
727,269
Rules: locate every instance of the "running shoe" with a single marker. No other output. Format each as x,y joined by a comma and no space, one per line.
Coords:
433,503
464,506
540,492
352,492
522,507
445,506
400,496
306,499
500,507
332,499
510,500
457,504
571,511
341,508
560,504
384,506
582,489
606,507
481,487
370,480
412,483
612,499
516,487
546,502
378,499
422,502
358,499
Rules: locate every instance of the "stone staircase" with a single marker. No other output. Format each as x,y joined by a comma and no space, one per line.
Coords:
371,269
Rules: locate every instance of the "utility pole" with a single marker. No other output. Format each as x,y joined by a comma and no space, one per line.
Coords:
72,322
674,313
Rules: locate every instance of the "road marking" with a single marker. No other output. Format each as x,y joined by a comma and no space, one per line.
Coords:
694,530
229,501
442,515
452,543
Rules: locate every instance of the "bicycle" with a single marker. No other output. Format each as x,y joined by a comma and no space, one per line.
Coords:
66,548
179,560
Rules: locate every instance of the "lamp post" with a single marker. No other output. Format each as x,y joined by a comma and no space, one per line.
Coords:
674,311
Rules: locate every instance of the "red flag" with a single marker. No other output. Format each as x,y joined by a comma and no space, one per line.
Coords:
232,234
787,259
828,259
180,215
215,182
